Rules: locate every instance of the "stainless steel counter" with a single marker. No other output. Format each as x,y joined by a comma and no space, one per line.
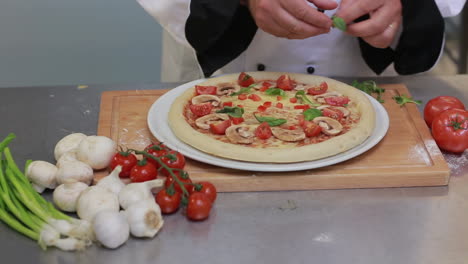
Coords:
397,225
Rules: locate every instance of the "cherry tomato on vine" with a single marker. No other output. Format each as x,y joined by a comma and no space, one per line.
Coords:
186,181
143,171
168,201
125,159
174,160
437,105
156,147
198,207
207,188
450,130
157,150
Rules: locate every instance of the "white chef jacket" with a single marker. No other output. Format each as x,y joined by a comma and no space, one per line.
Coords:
333,54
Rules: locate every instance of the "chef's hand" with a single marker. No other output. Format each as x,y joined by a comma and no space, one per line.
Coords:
381,28
292,19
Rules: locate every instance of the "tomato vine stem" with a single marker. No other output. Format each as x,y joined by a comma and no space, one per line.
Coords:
169,169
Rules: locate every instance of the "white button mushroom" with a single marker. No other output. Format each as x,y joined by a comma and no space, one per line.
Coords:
68,143
241,134
67,156
205,121
96,151
206,98
288,135
227,88
74,171
65,196
42,175
329,126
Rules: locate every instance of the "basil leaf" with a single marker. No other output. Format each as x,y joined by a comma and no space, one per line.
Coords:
369,87
303,97
244,90
241,91
232,111
312,113
272,121
339,23
275,91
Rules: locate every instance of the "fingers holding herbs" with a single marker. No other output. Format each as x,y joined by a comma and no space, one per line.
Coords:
291,19
381,28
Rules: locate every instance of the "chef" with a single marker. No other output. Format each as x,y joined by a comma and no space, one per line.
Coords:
203,38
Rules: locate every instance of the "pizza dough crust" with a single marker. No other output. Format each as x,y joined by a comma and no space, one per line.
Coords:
330,147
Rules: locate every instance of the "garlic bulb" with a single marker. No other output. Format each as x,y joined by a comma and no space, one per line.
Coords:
74,171
96,151
68,143
144,218
42,175
66,195
68,156
138,191
112,181
111,228
96,199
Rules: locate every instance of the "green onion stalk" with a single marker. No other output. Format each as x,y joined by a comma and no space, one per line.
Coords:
27,212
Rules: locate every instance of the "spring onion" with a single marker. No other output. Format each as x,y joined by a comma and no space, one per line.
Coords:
25,211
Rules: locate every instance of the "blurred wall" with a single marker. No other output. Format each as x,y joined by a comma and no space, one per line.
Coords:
54,42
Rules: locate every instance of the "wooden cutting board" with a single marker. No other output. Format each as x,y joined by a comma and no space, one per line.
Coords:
407,156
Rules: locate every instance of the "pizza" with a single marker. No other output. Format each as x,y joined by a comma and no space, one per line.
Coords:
272,117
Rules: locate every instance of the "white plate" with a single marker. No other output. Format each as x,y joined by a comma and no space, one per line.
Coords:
157,123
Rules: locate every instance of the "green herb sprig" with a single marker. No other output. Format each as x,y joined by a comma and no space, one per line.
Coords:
370,88
272,121
403,99
241,91
300,95
311,113
339,23
232,111
275,92
244,90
